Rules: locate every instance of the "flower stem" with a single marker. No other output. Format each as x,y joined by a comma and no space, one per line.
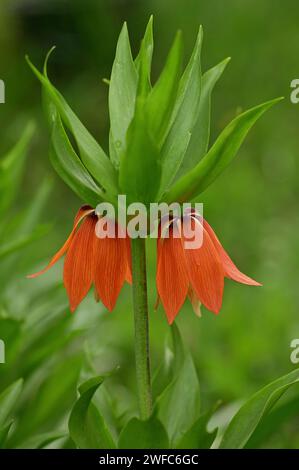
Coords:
140,306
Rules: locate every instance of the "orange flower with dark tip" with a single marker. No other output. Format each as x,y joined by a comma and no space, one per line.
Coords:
90,260
194,272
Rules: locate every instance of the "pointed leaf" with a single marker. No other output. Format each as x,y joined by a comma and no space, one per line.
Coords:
8,400
139,434
197,437
86,425
4,430
172,362
140,170
179,404
69,166
218,157
200,135
252,412
92,155
147,48
184,117
122,95
161,100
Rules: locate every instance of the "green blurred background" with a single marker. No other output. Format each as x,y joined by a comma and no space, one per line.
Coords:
253,206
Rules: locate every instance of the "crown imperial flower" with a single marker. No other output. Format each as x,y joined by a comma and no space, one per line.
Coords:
194,272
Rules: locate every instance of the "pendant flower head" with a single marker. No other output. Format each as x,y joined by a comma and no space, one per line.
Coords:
159,152
90,260
197,272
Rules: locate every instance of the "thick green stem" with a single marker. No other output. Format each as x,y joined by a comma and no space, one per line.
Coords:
140,305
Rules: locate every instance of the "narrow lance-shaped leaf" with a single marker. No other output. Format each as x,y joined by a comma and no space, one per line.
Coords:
218,157
122,95
161,100
70,168
140,170
184,117
252,412
4,431
199,141
147,47
92,155
86,425
143,63
8,400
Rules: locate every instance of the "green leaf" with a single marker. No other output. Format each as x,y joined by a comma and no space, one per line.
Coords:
11,169
4,433
172,362
179,404
146,51
273,423
14,246
199,141
92,155
218,157
122,95
161,99
86,425
197,437
252,412
70,168
149,434
40,441
144,62
8,399
47,403
184,117
140,169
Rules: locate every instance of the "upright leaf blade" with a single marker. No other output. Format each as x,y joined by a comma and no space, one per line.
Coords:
8,400
91,153
147,47
122,95
70,168
198,437
139,434
179,404
161,100
252,412
218,157
199,141
86,425
184,117
140,170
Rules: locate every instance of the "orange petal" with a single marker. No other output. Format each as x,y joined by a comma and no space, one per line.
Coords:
82,212
110,268
78,265
172,279
206,273
230,269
